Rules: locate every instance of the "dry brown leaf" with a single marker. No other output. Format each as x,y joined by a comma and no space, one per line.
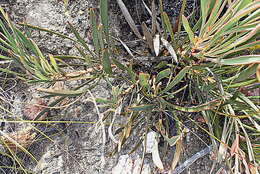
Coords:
177,155
20,138
235,146
32,109
253,169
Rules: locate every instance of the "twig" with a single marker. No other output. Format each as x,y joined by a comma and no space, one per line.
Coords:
101,116
191,160
110,133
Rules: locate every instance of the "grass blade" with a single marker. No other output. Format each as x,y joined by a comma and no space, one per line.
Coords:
188,29
176,79
93,20
106,62
241,60
163,74
104,16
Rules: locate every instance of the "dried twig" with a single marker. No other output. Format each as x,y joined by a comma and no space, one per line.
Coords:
191,160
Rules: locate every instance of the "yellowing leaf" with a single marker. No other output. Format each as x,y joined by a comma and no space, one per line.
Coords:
258,72
143,80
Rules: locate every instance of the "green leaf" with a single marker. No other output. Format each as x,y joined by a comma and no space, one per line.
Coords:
203,107
106,62
144,80
47,31
242,60
103,101
163,74
65,57
104,16
5,57
173,140
147,107
246,73
54,63
80,39
244,3
124,68
242,13
214,13
168,25
100,37
93,20
176,79
243,83
19,75
163,24
204,10
62,92
188,29
41,76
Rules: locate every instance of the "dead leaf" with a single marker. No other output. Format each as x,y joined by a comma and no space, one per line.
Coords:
156,43
156,157
201,119
169,47
15,140
253,169
32,109
235,146
258,72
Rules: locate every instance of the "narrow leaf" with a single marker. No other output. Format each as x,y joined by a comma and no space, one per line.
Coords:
258,72
93,20
176,79
156,43
156,156
163,74
144,80
61,92
104,15
188,29
106,62
173,140
128,18
168,25
54,63
242,60
146,107
246,73
169,47
80,39
124,68
203,107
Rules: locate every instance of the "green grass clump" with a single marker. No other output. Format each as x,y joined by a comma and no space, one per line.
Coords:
210,71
